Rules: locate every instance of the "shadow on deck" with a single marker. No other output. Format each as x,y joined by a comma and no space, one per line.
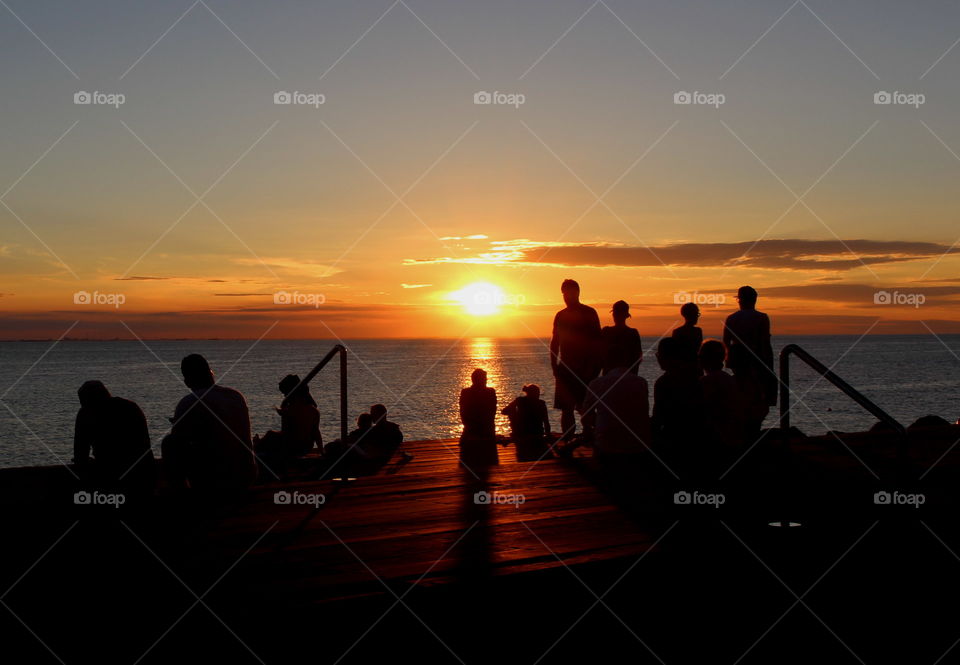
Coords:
554,567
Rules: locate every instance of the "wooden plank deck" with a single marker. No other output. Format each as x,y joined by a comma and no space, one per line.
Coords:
490,582
419,519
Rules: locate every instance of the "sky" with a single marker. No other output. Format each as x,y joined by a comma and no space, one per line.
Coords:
184,201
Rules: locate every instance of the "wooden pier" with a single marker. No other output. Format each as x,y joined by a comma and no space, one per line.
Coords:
551,567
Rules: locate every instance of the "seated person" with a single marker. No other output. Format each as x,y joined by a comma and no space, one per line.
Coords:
478,412
299,426
386,436
115,430
677,419
529,424
351,456
723,407
690,335
209,444
618,406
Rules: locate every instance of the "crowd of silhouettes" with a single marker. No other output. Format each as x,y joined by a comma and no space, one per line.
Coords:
699,411
209,448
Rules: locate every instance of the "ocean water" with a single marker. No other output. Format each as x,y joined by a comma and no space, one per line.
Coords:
419,381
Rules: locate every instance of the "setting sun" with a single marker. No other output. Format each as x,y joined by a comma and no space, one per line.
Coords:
479,298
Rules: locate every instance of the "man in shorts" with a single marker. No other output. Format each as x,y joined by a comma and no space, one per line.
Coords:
576,355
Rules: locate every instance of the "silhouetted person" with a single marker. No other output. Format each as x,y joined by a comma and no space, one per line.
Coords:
746,334
364,423
358,454
621,343
386,435
690,335
677,420
529,424
209,445
576,355
115,431
478,411
299,426
618,405
723,405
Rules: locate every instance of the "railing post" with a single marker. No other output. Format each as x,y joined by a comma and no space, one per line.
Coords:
784,390
343,393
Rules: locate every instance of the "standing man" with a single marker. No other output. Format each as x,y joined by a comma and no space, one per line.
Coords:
746,334
576,355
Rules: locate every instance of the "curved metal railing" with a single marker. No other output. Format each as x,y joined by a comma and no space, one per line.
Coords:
825,372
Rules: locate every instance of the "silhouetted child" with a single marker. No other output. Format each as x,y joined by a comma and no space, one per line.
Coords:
723,406
621,343
690,335
529,424
478,411
677,420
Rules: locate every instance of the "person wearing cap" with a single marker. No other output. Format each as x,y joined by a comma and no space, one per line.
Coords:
576,355
621,343
209,446
529,424
746,334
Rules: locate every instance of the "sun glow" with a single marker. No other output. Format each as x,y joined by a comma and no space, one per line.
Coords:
479,298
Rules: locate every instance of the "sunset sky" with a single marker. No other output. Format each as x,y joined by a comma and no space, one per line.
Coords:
201,208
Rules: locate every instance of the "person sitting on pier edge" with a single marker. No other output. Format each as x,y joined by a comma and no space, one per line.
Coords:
209,446
353,456
618,407
723,407
690,335
677,419
386,436
115,430
529,424
746,334
576,355
621,343
478,412
299,426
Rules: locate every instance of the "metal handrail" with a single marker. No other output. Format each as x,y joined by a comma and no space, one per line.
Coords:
342,350
825,372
